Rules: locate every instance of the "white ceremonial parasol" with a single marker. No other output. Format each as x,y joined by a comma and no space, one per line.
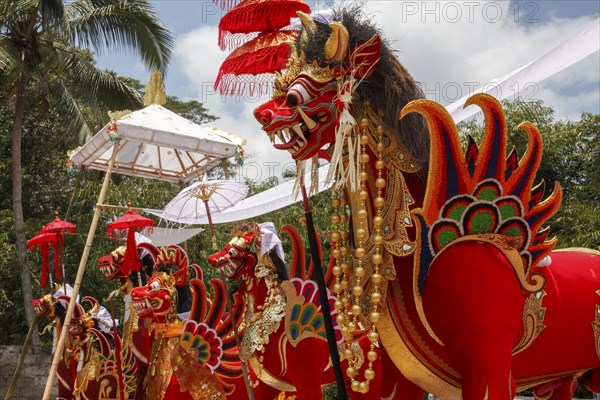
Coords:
220,195
201,199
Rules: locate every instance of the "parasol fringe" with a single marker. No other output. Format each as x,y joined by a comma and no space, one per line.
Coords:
225,5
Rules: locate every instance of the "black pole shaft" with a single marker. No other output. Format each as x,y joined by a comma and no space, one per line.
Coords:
318,276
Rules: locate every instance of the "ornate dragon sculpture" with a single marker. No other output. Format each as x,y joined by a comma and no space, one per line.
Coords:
283,321
108,370
192,359
442,254
50,306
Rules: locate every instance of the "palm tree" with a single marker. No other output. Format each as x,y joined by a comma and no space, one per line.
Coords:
42,54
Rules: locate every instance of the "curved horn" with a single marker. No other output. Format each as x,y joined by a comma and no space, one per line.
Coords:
307,21
336,46
309,24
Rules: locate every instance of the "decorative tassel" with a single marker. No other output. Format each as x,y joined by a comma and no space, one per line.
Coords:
130,260
299,175
44,274
314,176
344,129
56,258
352,173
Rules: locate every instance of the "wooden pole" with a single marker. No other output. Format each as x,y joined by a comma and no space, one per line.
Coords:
15,377
213,233
318,276
78,278
185,242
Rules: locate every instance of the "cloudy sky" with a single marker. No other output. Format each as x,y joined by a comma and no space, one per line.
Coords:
450,47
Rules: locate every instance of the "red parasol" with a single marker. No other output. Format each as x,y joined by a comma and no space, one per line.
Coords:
255,61
43,240
130,222
59,227
262,16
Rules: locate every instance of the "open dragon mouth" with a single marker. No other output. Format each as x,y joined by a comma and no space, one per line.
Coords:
144,306
295,137
108,269
39,308
227,265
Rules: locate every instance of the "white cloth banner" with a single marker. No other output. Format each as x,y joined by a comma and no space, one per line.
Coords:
270,240
270,200
162,237
568,53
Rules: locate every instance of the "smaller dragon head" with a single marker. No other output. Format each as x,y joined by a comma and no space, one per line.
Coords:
157,299
44,307
83,320
111,264
238,257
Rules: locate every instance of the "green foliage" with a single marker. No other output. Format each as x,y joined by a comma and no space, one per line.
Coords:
192,110
47,187
44,59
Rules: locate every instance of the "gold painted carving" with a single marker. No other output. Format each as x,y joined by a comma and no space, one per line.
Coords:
260,325
199,382
294,299
533,320
268,378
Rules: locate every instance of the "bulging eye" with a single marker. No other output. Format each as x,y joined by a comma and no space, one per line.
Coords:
297,95
154,286
233,252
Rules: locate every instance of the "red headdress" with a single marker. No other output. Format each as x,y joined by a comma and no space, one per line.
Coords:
130,222
58,227
43,240
255,62
175,256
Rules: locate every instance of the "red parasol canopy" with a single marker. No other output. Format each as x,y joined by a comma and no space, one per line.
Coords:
130,222
258,16
43,240
255,62
59,227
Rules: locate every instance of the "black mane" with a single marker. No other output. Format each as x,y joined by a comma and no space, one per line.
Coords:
390,87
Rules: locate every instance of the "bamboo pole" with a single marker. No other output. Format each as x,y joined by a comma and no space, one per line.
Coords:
17,372
78,278
185,242
113,207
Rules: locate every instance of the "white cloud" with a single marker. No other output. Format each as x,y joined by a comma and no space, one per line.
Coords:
450,47
199,58
473,43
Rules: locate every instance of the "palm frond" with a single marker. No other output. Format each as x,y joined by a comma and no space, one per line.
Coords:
96,87
69,107
9,59
52,13
13,10
107,25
